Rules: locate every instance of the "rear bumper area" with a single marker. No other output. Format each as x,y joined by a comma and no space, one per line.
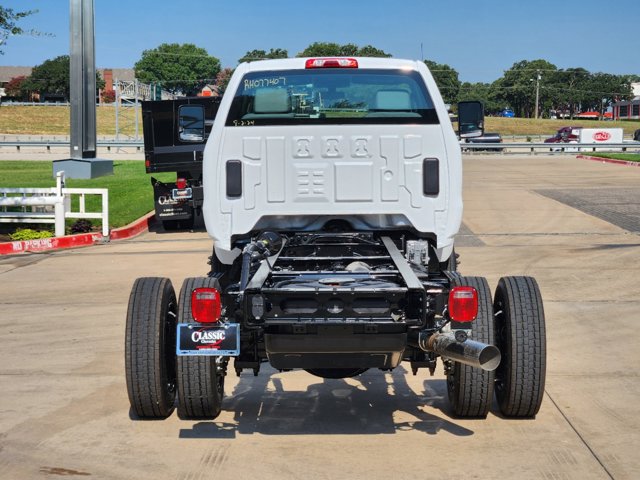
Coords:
335,347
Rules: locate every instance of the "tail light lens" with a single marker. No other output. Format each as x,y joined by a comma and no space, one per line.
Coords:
331,63
181,183
206,305
463,304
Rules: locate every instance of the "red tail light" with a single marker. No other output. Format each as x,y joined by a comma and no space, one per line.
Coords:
181,183
206,305
463,304
331,63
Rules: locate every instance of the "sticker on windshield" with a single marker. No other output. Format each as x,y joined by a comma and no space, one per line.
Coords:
250,84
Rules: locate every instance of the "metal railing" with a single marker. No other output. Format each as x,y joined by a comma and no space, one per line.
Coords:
48,144
51,205
549,148
505,147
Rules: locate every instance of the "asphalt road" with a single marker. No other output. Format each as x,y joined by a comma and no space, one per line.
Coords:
64,409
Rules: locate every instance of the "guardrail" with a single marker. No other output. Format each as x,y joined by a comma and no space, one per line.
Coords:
549,148
505,147
48,144
51,205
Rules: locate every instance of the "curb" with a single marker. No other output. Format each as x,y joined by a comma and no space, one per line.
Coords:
134,228
609,160
80,240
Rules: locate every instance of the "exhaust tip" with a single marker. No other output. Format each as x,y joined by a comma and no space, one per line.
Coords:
489,358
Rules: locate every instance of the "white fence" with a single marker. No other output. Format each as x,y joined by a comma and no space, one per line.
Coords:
51,205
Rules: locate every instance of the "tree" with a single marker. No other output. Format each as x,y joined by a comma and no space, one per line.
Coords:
263,55
52,77
483,92
9,19
603,89
180,68
108,96
517,87
570,90
328,49
15,88
222,79
447,80
371,51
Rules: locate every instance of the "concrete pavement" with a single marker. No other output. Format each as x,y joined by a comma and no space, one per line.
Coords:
64,408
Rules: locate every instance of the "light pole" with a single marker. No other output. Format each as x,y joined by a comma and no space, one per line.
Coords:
83,162
538,77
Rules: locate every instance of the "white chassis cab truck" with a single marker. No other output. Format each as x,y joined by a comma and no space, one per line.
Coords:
333,194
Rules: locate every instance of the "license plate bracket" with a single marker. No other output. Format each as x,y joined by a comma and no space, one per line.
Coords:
208,340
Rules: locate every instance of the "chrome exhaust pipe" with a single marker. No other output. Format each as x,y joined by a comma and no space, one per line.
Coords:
469,352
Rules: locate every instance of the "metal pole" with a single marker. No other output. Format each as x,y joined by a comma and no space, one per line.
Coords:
82,80
135,106
538,77
117,109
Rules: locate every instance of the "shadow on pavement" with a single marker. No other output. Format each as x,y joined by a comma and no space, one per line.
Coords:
378,403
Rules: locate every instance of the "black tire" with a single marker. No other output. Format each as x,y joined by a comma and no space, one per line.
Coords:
521,337
150,348
200,383
471,389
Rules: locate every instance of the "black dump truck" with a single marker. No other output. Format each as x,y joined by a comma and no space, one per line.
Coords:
169,147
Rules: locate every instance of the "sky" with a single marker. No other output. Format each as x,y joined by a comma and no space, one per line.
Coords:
480,39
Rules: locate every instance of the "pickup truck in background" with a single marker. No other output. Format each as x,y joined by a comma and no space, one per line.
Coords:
169,147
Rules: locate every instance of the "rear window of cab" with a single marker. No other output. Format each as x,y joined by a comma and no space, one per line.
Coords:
331,96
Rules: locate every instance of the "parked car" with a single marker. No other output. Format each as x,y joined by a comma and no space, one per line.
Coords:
507,113
486,138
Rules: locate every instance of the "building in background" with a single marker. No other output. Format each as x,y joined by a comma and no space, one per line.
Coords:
628,109
110,75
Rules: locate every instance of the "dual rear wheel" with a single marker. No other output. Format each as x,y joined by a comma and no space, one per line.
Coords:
156,376
515,323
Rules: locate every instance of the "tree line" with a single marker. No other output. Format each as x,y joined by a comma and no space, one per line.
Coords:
570,90
184,69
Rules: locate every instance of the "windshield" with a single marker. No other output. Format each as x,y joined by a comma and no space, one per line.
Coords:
331,96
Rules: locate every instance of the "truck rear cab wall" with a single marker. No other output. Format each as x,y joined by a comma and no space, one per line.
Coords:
297,173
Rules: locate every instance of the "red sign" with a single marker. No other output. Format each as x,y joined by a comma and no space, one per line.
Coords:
601,136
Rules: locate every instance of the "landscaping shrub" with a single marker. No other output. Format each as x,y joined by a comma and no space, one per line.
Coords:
29,234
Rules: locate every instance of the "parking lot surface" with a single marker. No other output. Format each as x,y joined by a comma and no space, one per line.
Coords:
64,408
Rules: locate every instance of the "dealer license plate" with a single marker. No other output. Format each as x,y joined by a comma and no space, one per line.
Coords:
212,340
182,193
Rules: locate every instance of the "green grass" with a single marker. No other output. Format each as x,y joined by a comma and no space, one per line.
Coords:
130,190
627,157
